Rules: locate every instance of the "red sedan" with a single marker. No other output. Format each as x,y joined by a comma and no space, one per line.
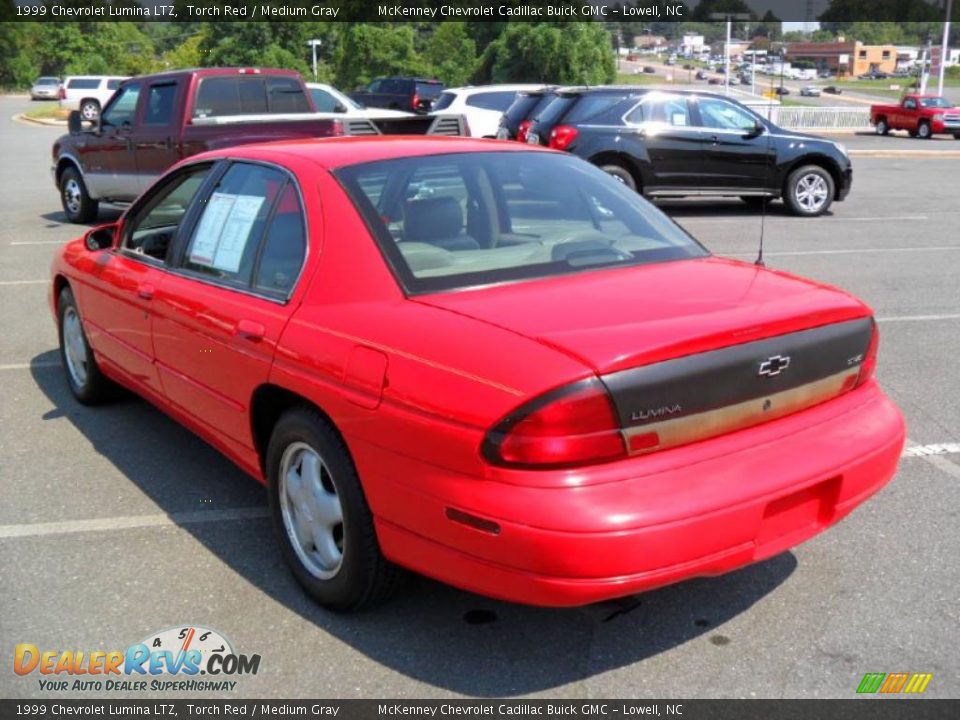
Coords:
485,362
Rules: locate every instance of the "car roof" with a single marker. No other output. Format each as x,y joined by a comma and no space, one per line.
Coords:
332,153
505,87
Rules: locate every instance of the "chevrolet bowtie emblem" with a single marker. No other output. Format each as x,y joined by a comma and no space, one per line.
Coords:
775,365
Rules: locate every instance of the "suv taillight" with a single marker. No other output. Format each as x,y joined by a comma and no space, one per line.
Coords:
869,365
573,425
63,92
523,129
562,135
415,102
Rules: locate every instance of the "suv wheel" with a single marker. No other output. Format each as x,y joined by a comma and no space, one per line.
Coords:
923,131
90,110
809,191
77,203
321,517
882,127
621,173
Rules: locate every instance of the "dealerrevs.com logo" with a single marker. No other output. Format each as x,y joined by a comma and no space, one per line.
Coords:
169,660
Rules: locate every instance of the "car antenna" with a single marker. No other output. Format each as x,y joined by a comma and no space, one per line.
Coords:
764,200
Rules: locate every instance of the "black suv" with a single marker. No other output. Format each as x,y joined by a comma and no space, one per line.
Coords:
400,93
518,117
675,143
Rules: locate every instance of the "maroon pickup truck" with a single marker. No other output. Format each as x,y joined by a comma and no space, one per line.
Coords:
154,121
921,115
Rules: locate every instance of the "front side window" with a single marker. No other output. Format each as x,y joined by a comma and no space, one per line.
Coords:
463,220
151,229
123,109
722,115
910,104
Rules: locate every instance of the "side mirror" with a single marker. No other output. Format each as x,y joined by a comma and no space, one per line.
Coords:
340,108
74,122
757,130
102,237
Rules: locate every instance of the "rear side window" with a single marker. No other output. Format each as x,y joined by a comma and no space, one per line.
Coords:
555,110
83,83
249,95
160,100
521,106
592,106
445,101
498,101
251,231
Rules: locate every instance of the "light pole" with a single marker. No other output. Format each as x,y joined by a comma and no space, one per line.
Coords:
314,44
944,49
729,17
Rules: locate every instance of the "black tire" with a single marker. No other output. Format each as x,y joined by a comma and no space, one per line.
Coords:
89,110
882,127
956,136
756,201
90,386
814,174
924,131
363,578
621,173
77,204
912,133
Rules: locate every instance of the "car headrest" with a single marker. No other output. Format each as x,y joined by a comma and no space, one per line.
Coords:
433,218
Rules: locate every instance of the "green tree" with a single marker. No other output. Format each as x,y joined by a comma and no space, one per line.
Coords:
451,54
566,53
365,51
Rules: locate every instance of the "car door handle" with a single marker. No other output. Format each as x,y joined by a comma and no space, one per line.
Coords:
145,291
715,139
250,330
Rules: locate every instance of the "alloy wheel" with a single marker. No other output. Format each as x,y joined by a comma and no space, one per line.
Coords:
811,192
75,348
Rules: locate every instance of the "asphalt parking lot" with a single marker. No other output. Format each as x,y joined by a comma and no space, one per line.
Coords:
116,522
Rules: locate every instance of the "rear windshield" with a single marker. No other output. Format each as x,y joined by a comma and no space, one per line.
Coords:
590,106
249,95
445,101
83,83
521,107
428,89
469,219
555,110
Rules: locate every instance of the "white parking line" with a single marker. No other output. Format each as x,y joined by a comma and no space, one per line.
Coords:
131,521
747,218
933,449
39,242
27,366
24,282
919,318
851,251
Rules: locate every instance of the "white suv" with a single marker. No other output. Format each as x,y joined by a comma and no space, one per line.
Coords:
483,106
88,93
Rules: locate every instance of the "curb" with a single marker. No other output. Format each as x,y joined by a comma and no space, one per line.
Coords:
21,118
924,154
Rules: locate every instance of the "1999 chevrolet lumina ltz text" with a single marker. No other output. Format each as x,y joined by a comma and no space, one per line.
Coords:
488,363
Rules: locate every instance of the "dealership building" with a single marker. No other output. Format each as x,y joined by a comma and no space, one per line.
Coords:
845,58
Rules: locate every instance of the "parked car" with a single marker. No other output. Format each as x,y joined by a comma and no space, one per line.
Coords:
45,88
400,93
649,69
922,116
482,106
833,90
665,144
88,93
155,121
810,91
327,99
874,75
715,81
781,90
519,116
607,409
701,75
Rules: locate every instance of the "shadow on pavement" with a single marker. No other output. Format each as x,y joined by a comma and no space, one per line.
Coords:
432,633
106,215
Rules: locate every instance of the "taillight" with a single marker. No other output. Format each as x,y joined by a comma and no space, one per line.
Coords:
869,365
523,130
574,425
562,135
415,102
336,128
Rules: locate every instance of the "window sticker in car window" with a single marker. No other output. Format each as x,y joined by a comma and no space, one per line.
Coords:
678,118
224,230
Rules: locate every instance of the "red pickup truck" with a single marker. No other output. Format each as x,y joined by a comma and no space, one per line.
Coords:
921,115
154,121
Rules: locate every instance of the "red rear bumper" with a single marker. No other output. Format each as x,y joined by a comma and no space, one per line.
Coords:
700,510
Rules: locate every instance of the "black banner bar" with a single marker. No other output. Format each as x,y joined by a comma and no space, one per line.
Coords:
872,708
642,11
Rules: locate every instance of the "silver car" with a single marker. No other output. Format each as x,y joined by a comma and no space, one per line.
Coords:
810,91
45,88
